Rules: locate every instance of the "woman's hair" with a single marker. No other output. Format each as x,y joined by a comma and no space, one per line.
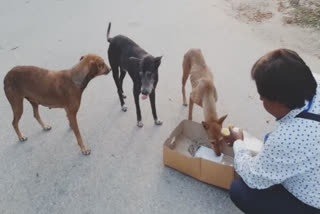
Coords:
282,76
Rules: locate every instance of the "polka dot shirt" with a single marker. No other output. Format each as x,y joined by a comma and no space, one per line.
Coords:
290,156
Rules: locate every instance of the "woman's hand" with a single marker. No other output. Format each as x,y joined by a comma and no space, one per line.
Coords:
233,136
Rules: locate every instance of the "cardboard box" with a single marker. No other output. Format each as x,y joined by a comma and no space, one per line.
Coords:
175,155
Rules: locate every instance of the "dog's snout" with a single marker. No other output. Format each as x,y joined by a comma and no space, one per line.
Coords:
108,70
144,92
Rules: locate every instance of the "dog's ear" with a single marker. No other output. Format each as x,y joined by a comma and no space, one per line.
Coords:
135,61
205,125
220,121
79,77
89,74
81,58
157,61
82,76
94,68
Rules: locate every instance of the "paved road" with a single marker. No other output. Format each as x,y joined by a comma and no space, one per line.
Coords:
124,173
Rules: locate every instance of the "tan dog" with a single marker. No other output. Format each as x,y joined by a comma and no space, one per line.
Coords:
60,89
204,94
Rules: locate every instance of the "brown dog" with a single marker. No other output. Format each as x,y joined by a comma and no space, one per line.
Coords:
60,89
204,94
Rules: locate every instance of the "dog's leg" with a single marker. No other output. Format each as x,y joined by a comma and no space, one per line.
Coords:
185,75
153,107
115,74
190,108
122,75
37,116
17,108
136,93
72,116
184,99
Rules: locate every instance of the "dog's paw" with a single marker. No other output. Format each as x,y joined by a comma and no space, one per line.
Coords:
47,128
124,108
140,124
158,122
124,96
86,152
22,139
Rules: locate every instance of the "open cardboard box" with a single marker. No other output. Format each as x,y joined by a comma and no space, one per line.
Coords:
219,173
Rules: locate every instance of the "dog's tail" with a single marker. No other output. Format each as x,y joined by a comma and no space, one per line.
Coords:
108,33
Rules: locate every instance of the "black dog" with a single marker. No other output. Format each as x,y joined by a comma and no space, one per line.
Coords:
142,67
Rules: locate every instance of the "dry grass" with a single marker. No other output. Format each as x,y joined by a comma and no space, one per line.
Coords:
303,14
252,14
306,17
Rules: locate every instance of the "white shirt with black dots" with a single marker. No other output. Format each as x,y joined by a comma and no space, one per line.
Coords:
290,156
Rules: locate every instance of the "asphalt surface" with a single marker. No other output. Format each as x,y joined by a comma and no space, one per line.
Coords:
124,173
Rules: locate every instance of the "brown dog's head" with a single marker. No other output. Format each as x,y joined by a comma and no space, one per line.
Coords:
96,64
88,68
214,133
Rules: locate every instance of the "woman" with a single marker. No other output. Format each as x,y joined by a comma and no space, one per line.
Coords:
285,176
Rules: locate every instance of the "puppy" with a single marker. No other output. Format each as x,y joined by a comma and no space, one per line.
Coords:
203,94
59,89
126,55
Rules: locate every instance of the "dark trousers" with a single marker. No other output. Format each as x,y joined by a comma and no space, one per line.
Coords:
274,200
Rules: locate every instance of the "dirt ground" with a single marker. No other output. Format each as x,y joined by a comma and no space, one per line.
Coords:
289,19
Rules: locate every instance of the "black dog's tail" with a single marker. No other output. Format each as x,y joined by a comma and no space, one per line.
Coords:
108,33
